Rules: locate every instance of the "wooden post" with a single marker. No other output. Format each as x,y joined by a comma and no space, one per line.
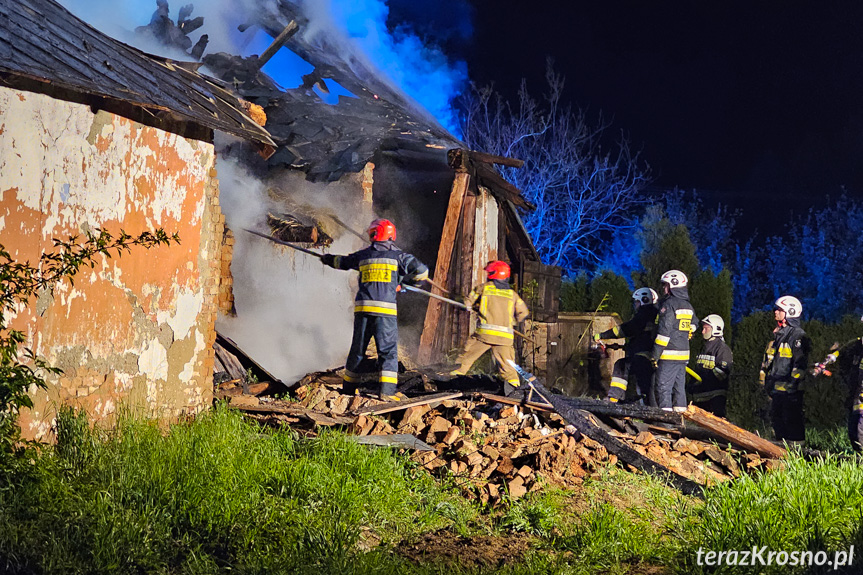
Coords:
444,256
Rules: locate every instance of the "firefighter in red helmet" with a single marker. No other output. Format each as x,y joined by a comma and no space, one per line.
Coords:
498,307
382,268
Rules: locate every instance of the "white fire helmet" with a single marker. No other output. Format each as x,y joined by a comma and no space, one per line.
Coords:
645,296
674,278
717,325
790,305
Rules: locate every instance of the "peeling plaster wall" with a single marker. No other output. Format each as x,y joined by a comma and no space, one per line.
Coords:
136,329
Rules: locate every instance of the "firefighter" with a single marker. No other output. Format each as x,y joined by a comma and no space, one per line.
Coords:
498,307
712,366
382,268
639,332
853,350
675,323
784,365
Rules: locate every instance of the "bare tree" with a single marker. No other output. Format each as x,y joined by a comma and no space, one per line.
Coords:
581,193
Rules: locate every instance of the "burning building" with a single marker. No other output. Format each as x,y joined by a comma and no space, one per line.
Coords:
340,162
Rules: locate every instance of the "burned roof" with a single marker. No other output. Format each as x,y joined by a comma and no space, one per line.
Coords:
42,41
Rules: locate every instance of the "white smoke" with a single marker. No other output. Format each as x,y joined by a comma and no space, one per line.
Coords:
294,315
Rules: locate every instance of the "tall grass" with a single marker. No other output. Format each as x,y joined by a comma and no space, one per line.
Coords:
808,506
210,496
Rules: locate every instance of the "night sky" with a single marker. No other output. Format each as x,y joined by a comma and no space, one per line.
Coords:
752,103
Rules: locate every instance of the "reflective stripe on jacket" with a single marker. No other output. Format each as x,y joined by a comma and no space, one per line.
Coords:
638,331
674,324
713,366
382,268
786,357
499,308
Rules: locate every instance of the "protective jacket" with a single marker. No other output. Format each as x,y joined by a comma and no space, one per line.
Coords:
713,366
382,268
638,331
498,307
675,323
785,359
853,350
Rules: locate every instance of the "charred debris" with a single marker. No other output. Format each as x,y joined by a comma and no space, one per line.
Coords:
497,446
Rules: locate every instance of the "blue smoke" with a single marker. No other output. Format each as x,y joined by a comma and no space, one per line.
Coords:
418,66
420,69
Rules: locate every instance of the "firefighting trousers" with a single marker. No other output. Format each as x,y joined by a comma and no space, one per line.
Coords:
715,405
786,414
385,330
671,383
855,422
502,354
636,368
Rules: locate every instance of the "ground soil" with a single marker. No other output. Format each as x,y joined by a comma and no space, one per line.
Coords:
478,550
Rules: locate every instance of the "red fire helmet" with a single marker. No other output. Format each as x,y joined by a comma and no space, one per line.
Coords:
382,230
497,270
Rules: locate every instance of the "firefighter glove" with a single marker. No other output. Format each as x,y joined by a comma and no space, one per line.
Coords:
596,337
328,260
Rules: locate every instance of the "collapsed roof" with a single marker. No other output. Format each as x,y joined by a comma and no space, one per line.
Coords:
323,140
42,42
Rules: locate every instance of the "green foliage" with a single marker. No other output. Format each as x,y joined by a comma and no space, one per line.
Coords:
575,294
209,496
535,514
806,506
20,370
711,293
619,298
665,247
585,295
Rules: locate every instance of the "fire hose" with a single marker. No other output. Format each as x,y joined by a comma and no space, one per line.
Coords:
606,346
458,305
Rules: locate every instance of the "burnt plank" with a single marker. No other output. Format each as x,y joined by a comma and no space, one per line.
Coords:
400,405
733,434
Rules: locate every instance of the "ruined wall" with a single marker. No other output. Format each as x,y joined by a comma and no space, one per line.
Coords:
136,330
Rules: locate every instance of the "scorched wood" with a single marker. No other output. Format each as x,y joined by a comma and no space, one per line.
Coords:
624,453
732,433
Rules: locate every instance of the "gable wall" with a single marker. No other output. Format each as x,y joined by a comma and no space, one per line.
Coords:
136,329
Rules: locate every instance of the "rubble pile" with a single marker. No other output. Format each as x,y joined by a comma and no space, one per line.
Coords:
493,446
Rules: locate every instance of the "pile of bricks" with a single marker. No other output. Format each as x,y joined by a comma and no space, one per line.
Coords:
494,450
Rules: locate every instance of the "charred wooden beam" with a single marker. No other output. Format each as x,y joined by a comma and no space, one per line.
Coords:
499,186
735,435
279,41
618,410
484,158
511,401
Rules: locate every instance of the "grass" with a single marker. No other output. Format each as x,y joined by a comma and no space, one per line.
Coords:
220,494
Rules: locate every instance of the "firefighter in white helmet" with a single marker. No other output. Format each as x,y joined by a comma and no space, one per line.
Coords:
675,324
783,368
712,368
639,332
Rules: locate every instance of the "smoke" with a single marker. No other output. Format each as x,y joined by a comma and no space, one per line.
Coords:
294,315
415,65
419,69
